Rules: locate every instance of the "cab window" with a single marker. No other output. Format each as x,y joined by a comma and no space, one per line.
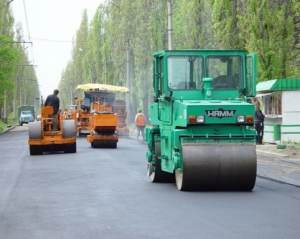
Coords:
185,72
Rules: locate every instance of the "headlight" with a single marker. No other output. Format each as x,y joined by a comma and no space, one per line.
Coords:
200,119
240,119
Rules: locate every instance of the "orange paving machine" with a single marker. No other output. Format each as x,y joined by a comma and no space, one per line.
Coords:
104,116
120,109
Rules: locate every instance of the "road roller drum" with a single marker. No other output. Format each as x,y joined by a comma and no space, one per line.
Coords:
221,167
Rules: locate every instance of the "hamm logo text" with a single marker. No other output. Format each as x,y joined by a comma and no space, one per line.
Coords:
220,113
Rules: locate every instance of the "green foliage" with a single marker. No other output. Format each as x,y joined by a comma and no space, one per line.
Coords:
228,23
8,57
291,143
18,83
135,29
265,27
271,35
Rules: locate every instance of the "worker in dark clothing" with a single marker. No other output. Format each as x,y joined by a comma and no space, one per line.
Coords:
259,123
53,100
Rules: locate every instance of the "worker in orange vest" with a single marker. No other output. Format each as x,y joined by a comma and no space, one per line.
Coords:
140,122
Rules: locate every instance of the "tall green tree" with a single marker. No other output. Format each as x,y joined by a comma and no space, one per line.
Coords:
271,35
8,54
120,27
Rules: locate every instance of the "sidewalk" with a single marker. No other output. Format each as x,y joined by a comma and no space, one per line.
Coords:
290,152
7,129
281,165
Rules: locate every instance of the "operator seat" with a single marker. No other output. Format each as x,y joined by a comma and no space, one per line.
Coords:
186,85
86,104
224,82
47,117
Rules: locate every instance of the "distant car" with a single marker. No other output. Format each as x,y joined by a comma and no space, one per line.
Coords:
25,117
38,117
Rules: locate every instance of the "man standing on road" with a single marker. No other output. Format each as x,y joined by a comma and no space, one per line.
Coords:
140,122
53,100
259,123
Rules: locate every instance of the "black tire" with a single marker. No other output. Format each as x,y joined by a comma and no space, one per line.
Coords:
113,145
158,175
104,144
70,148
35,150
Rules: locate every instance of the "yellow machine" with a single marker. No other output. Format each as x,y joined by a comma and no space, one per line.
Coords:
69,113
100,115
120,109
81,115
43,139
103,125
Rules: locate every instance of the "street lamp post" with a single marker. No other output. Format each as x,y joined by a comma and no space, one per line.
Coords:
170,30
91,72
5,110
127,83
18,81
71,89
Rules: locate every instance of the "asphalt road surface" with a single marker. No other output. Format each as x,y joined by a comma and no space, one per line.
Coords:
105,193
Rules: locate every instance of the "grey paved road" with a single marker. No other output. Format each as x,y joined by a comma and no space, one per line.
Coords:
104,193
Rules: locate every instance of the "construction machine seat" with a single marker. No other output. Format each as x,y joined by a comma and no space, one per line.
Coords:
186,85
86,104
47,118
224,82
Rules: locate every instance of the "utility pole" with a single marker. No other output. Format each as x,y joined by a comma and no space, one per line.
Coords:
91,73
71,93
5,110
105,76
127,83
170,29
19,83
15,96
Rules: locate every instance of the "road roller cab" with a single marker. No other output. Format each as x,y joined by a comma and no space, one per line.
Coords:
82,116
202,124
42,137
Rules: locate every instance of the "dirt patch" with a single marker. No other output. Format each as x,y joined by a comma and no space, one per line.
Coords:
271,150
291,151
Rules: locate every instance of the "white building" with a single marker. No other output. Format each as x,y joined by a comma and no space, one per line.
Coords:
280,100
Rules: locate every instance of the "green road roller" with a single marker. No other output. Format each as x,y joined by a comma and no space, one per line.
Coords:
201,134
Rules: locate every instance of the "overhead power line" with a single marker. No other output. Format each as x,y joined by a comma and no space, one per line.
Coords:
5,42
59,41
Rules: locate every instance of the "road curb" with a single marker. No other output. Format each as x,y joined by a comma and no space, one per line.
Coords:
274,154
7,129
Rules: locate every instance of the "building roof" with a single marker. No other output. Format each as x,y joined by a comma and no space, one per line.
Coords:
278,85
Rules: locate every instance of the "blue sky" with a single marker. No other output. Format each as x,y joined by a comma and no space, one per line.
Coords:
52,25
